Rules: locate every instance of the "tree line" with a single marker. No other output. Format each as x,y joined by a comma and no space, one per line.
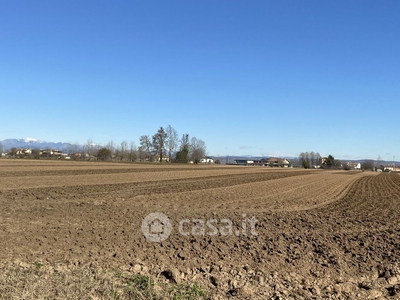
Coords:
163,146
313,159
309,160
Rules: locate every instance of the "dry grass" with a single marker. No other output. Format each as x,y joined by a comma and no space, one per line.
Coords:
35,281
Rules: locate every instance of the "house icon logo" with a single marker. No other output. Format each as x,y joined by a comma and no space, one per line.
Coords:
156,227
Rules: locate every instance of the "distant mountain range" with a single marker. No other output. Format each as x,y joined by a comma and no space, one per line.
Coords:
34,143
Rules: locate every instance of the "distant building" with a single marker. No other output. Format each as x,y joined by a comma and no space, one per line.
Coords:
206,160
389,168
266,162
50,153
23,151
278,162
353,166
242,162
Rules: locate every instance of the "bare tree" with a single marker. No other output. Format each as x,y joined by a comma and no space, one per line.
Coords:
124,150
318,159
296,162
111,146
73,148
13,151
159,142
96,147
171,141
1,148
89,148
312,159
378,162
141,154
35,153
132,151
309,159
146,146
197,149
368,165
117,152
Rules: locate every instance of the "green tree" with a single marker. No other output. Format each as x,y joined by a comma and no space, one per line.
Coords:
330,161
305,160
182,156
159,142
104,154
305,164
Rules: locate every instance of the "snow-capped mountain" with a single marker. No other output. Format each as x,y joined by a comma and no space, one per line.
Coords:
32,140
33,143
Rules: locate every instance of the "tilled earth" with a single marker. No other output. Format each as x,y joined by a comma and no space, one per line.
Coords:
317,234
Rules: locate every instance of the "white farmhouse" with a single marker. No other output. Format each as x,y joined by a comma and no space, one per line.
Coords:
206,160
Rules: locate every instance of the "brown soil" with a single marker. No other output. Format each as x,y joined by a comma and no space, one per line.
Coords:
320,234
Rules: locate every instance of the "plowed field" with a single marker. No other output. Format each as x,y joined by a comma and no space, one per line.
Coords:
318,234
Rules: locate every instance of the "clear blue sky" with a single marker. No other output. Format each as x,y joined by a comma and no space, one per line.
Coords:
247,77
